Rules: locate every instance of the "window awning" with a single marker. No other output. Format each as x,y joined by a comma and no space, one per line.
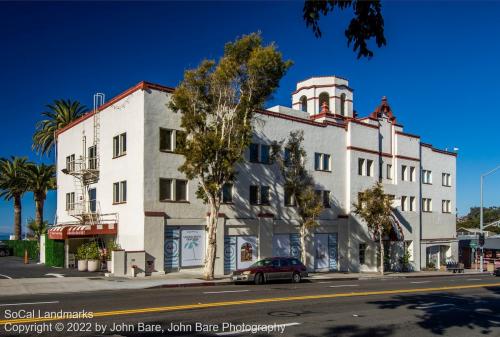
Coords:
62,232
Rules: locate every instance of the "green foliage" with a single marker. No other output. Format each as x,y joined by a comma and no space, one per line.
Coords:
19,246
93,252
367,23
111,245
60,113
54,252
37,230
217,101
374,207
81,252
298,182
471,220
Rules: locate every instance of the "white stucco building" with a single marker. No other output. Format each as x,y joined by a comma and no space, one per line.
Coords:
139,196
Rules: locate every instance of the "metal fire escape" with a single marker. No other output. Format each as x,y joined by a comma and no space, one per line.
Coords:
85,172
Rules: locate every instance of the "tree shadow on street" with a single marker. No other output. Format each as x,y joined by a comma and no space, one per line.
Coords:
439,312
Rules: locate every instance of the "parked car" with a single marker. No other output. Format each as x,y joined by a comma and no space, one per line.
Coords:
270,269
4,249
497,272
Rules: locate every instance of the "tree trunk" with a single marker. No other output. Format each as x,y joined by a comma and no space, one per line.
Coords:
39,211
381,247
303,234
17,218
211,250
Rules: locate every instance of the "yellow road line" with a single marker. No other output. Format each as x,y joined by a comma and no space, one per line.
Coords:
254,301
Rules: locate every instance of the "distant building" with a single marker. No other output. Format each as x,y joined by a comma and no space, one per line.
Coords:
118,178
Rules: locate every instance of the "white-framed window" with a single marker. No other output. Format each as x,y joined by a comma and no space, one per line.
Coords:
120,145
426,205
412,204
181,190
389,171
322,162
289,199
93,200
446,177
260,153
324,196
365,167
259,195
92,153
404,173
404,201
173,190
70,163
412,173
362,253
70,201
227,193
446,206
166,189
120,192
426,177
166,140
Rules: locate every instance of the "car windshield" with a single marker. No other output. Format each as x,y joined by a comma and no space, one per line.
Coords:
263,263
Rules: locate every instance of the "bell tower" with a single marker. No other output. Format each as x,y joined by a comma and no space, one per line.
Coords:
324,95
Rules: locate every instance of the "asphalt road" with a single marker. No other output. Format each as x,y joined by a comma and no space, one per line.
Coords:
13,267
448,306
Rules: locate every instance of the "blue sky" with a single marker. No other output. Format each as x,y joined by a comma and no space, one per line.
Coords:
439,69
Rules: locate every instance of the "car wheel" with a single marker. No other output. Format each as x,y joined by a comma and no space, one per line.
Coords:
259,278
296,278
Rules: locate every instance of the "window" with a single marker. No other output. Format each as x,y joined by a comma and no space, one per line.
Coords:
289,198
259,195
369,168
412,173
404,200
70,163
446,179
413,205
342,104
166,143
404,173
362,253
70,201
446,206
254,153
227,193
93,200
303,103
287,157
260,153
119,145
322,162
361,166
166,189
427,177
180,139
181,190
361,201
326,199
92,158
264,154
324,100
426,205
389,171
120,192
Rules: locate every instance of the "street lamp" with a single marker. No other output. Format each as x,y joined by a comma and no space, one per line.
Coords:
481,263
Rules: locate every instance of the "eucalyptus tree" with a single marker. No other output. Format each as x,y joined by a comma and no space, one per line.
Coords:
59,114
298,185
218,101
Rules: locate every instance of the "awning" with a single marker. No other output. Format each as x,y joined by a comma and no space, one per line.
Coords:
61,232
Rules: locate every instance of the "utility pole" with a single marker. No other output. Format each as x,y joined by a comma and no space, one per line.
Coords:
481,263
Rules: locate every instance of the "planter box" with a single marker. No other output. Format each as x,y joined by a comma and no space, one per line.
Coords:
93,265
82,265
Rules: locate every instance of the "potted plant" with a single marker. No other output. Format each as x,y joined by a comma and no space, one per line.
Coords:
93,256
81,256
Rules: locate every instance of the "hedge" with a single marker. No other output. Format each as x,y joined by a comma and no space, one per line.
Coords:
17,247
54,252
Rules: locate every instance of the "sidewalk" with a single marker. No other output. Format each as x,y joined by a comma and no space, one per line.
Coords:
30,286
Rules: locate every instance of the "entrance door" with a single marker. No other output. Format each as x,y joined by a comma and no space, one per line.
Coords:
246,248
321,257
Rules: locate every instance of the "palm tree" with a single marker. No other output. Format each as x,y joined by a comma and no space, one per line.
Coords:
39,179
60,114
37,231
13,186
